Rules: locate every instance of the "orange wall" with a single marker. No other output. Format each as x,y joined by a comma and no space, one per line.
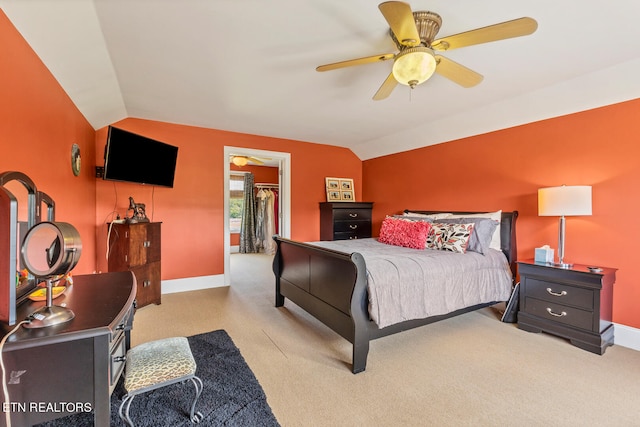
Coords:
504,169
192,212
38,126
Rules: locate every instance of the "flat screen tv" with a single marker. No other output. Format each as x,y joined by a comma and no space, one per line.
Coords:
135,158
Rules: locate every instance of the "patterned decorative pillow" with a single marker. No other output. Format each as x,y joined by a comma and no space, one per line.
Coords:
400,232
496,216
449,237
483,229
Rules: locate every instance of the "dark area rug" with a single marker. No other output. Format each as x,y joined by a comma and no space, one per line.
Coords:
232,395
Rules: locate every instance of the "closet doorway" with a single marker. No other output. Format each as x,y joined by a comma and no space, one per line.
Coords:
279,160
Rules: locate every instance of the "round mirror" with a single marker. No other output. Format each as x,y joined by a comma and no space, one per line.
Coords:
50,249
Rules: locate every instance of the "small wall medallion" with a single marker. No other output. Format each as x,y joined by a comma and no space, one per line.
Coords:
76,161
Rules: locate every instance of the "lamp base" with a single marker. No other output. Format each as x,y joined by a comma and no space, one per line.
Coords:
49,316
562,264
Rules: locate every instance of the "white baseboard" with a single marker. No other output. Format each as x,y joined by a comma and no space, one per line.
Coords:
192,283
626,336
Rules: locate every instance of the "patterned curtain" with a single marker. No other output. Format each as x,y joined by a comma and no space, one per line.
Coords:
248,226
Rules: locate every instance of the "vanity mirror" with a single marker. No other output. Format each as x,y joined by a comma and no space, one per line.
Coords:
50,250
18,212
21,205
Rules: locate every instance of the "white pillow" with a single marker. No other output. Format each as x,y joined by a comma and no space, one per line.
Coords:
432,216
496,216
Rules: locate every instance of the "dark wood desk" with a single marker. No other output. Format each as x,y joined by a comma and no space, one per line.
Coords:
71,367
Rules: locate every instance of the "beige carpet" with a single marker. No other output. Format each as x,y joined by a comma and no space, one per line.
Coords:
471,370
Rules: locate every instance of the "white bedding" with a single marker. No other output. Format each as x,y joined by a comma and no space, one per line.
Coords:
405,284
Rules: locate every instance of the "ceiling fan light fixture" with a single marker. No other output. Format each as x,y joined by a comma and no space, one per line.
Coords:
414,66
239,160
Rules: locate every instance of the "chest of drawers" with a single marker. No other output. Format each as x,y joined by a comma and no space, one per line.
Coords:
345,220
574,303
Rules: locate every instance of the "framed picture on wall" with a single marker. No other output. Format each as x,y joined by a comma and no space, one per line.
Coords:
339,189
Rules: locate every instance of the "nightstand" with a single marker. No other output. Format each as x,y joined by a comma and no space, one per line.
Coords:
574,303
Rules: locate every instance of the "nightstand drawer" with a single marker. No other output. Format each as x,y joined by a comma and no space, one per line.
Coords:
559,293
559,313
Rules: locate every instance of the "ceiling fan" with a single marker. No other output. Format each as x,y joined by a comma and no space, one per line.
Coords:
244,160
414,34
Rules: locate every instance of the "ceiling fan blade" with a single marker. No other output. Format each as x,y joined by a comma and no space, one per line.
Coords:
457,73
387,87
256,161
358,61
400,18
506,30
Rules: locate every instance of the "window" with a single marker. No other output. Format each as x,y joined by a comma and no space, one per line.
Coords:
236,201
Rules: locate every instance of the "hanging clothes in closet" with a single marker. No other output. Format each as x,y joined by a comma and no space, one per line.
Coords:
266,218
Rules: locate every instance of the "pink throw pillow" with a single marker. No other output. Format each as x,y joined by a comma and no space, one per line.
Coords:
401,232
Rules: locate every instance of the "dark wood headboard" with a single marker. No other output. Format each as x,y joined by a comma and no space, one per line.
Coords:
508,241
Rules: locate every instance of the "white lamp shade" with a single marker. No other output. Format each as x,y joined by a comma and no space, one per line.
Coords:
566,200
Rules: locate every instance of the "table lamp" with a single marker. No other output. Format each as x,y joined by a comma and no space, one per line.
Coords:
566,200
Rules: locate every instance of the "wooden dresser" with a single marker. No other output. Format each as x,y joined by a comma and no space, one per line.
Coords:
136,247
345,220
574,303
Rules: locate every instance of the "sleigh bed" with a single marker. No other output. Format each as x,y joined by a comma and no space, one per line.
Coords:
332,284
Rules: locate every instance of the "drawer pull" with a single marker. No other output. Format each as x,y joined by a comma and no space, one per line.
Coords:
564,313
120,359
353,227
353,215
121,327
146,283
353,237
556,294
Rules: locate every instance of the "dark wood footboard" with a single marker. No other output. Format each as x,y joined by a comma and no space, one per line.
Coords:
332,287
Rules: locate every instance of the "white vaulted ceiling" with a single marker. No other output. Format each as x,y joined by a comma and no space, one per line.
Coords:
249,65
